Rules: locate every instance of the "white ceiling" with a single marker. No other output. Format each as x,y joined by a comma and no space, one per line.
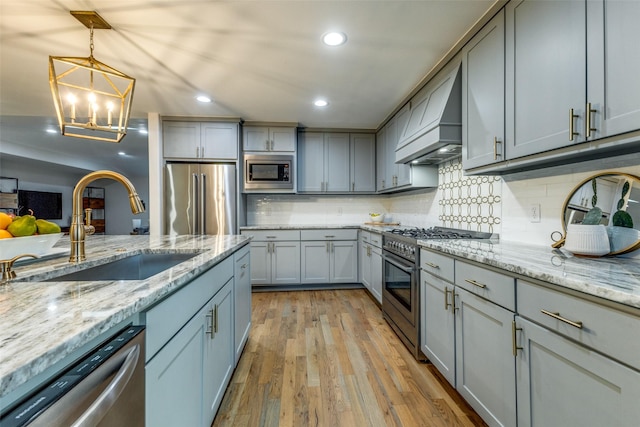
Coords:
259,60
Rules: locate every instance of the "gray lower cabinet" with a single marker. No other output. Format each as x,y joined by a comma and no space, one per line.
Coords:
485,366
562,383
466,333
275,257
190,354
329,256
242,298
370,261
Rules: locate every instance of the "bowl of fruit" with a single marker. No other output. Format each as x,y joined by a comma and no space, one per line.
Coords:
26,235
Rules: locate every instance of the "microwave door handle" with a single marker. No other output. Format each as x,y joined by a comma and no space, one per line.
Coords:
203,203
194,203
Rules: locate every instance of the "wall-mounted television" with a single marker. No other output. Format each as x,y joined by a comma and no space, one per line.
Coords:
44,204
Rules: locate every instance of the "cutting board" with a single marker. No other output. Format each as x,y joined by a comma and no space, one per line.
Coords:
382,224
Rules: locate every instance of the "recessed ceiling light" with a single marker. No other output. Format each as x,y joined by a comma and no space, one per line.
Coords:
320,103
334,38
121,153
143,131
52,131
444,149
203,98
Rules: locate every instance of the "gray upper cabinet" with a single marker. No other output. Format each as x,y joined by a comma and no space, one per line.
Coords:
545,75
336,162
273,138
483,96
323,162
613,67
363,162
200,140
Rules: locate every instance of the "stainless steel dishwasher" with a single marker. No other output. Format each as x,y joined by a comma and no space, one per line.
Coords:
105,388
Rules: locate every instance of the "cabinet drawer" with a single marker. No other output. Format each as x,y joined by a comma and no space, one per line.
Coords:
330,234
496,287
167,317
365,236
437,264
604,329
376,240
272,235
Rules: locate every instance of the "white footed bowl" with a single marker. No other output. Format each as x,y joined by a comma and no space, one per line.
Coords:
589,240
622,237
377,218
36,245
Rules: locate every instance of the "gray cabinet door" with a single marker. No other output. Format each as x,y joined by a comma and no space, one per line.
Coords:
256,138
391,142
343,263
219,141
242,299
376,274
545,75
485,366
282,138
260,263
483,96
381,160
613,66
403,172
336,162
314,260
174,377
311,162
181,140
561,383
363,162
219,358
285,263
437,321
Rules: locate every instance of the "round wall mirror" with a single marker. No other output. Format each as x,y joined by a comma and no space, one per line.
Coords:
611,199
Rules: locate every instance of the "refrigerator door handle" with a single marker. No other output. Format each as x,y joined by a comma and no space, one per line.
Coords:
194,203
203,203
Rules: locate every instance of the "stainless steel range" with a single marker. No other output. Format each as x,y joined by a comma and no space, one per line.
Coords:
401,278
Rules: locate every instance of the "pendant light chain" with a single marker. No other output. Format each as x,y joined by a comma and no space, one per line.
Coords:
91,39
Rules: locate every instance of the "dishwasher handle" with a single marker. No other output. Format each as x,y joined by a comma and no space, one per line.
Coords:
110,394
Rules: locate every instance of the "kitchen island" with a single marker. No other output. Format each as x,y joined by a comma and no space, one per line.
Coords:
44,323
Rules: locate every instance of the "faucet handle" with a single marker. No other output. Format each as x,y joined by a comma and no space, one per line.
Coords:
7,264
88,228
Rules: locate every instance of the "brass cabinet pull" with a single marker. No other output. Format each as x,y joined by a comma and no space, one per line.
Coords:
327,245
453,299
474,283
495,148
215,317
562,319
353,186
588,128
515,347
210,316
432,265
571,132
332,247
447,304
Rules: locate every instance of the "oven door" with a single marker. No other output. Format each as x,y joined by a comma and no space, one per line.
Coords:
400,288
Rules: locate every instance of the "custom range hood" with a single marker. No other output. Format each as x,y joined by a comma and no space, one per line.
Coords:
433,133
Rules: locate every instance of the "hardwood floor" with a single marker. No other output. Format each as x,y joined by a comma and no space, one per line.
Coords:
328,358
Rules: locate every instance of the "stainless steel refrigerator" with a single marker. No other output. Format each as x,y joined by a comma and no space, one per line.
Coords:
200,198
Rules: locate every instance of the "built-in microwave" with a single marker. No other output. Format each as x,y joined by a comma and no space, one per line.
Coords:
269,173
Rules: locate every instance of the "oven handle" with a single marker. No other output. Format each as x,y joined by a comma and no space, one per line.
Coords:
404,268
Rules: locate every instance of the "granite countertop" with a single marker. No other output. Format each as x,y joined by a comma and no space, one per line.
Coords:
41,323
367,227
614,279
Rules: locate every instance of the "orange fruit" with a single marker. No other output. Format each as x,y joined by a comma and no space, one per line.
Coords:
5,220
4,234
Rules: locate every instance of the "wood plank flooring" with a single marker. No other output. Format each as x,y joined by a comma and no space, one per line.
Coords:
328,358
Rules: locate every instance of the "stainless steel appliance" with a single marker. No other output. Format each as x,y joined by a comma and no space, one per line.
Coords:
104,389
269,172
401,278
200,198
